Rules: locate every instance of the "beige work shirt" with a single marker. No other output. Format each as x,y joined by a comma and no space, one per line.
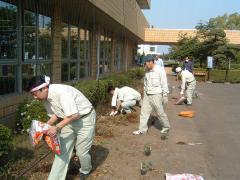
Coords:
65,100
125,94
187,77
155,81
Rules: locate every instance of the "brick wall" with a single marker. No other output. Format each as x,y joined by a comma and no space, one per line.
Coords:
125,12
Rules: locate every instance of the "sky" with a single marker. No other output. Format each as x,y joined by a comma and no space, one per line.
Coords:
186,14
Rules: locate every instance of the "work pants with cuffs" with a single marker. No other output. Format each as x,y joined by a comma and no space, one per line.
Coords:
79,133
152,103
127,105
190,90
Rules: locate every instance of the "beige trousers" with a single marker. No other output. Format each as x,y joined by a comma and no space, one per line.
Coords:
79,133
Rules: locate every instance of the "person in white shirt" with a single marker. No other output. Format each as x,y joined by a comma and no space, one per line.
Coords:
72,117
155,90
123,99
158,61
188,84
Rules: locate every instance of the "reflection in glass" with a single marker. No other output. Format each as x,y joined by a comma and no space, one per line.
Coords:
29,35
64,41
7,79
82,38
82,69
65,71
102,47
117,60
8,31
87,49
44,37
73,71
31,70
74,42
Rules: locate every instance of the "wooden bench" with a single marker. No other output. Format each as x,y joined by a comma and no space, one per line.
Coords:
201,73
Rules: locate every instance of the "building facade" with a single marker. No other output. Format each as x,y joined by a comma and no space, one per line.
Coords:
147,49
68,40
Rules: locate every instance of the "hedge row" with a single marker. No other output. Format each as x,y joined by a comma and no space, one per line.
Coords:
6,146
217,75
94,90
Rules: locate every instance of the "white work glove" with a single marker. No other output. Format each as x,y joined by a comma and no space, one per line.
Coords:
113,113
165,101
181,93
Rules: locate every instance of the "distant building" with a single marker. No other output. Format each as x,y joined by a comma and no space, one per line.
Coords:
147,49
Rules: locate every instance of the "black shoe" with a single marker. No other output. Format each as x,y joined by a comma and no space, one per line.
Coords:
185,101
83,176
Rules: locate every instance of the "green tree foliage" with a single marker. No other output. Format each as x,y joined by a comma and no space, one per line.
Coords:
210,41
188,46
230,22
227,22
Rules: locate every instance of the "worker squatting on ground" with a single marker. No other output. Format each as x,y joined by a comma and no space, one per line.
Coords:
123,99
188,84
155,90
76,125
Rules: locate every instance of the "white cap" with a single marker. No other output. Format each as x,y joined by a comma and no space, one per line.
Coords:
178,69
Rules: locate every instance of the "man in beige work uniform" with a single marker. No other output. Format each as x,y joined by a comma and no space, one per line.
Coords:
188,84
76,127
123,99
155,90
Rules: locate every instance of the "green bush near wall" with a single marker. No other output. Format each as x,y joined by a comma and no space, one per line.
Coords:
6,147
235,66
219,76
234,76
28,111
94,90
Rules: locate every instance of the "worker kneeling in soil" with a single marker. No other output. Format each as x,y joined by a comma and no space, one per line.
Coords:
73,117
155,90
188,84
123,99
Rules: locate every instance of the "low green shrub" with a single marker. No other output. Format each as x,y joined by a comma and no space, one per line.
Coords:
28,111
217,76
136,73
6,147
94,90
235,66
234,76
221,76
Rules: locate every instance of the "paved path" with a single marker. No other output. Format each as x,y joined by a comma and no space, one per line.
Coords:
217,126
218,123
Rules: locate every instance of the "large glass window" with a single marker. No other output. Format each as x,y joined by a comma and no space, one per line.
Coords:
7,79
74,42
87,49
102,54
35,45
44,31
29,35
64,40
82,52
65,70
118,57
31,70
8,31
